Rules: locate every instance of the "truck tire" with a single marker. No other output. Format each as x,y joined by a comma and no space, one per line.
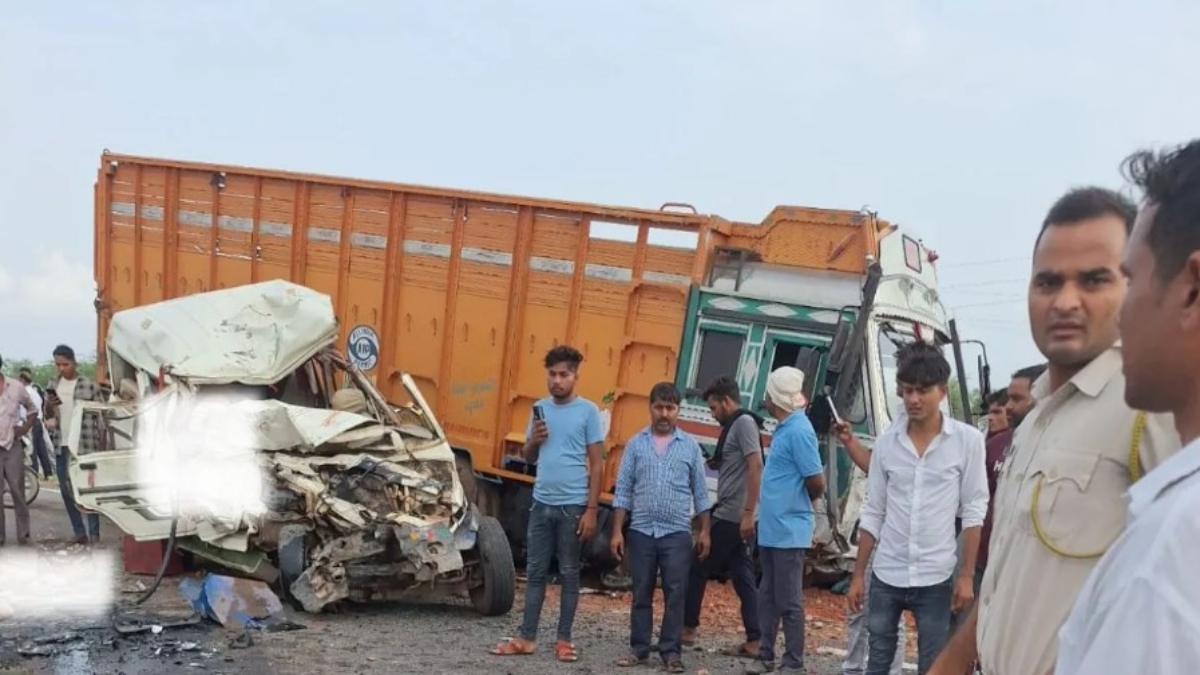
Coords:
495,595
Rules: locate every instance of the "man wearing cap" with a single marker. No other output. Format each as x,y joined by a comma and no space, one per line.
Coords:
926,469
792,478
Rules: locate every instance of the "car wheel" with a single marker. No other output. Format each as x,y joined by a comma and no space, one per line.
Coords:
293,557
495,595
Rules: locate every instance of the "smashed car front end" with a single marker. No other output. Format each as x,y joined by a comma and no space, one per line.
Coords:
336,504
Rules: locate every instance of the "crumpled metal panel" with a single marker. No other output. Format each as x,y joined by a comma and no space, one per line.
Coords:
251,334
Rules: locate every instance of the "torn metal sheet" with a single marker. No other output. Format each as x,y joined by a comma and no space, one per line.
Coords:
236,421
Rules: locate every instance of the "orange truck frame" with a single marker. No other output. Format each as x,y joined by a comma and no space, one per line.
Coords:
466,291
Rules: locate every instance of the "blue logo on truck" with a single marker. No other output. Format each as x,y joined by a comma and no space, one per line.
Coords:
362,346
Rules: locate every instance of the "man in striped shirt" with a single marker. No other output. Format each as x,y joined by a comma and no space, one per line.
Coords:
660,485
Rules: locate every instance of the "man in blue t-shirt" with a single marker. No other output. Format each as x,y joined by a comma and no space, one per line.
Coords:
567,444
792,478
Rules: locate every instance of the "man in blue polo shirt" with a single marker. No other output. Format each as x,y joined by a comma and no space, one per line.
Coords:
792,479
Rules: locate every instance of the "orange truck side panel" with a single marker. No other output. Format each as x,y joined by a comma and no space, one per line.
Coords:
466,290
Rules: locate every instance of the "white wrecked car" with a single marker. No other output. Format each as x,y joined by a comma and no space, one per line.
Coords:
236,430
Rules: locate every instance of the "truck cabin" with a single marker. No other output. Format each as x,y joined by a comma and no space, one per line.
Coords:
751,317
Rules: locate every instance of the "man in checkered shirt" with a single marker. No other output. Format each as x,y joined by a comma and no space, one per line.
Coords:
69,389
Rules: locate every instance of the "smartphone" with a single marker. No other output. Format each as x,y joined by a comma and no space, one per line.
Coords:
832,408
539,414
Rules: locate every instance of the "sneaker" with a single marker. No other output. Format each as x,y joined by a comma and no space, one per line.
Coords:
759,667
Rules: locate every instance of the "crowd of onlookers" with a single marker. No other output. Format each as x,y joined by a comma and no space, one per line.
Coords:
1061,541
35,419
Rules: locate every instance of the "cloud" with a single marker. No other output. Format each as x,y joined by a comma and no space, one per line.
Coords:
6,281
50,294
57,287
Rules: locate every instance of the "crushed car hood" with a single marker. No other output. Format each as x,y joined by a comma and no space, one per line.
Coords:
254,334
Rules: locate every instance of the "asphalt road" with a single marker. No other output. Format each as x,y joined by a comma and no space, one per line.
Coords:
433,638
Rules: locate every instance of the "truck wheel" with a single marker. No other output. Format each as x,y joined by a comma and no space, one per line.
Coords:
495,595
293,557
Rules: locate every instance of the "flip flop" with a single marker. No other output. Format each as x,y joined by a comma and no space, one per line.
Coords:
739,650
565,651
513,647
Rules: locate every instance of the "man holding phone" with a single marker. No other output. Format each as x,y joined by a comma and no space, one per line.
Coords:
566,441
64,392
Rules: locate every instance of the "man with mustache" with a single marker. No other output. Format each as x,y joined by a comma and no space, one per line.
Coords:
1058,499
1020,400
1137,612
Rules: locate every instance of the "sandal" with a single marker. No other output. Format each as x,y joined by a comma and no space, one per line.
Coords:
565,651
674,666
514,647
740,650
630,660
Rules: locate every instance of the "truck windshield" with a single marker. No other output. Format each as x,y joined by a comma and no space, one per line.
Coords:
892,336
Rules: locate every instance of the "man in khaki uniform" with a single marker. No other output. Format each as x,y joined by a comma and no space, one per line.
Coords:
1058,503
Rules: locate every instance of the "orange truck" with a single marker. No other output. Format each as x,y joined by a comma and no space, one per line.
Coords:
466,291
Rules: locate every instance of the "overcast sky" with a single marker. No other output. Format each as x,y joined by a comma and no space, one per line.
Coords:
958,122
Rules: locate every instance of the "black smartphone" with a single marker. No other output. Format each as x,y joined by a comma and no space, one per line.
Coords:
539,414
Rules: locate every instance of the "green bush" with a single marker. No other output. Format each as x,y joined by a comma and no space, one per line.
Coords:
42,372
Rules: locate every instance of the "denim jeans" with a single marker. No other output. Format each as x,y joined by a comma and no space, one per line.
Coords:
68,497
730,553
648,556
930,607
781,599
551,534
855,662
41,453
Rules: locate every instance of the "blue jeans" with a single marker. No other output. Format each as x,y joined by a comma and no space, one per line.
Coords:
930,607
648,556
68,497
857,637
550,535
40,452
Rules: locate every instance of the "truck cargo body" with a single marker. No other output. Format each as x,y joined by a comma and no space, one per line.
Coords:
466,291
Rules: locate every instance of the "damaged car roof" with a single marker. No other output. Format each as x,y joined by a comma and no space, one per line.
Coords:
254,334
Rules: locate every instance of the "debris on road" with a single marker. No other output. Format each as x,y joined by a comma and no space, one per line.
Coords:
231,602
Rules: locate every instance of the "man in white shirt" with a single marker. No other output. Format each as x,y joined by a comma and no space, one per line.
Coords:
926,470
1137,612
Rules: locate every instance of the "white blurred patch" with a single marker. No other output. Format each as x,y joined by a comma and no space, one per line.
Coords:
47,587
198,453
